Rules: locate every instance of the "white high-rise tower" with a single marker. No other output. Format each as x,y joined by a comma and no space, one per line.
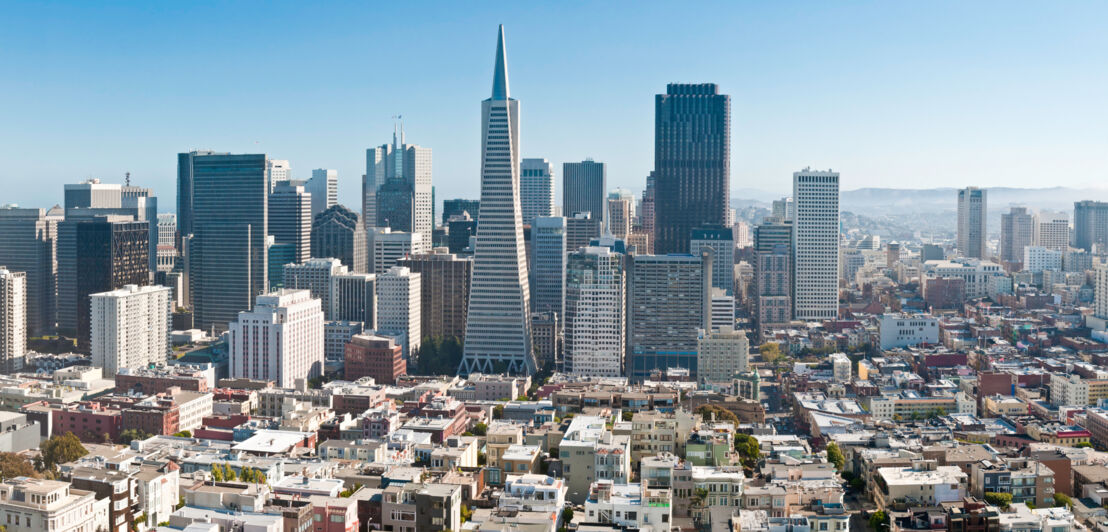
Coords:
498,326
816,249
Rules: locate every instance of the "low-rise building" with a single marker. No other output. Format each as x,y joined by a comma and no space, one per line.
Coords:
922,483
629,505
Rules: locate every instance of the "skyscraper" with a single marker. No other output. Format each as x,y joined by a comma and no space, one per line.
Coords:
647,216
399,302
130,327
583,187
387,246
13,320
184,189
972,212
338,232
548,265
1017,230
260,346
354,298
581,229
137,202
1052,231
277,170
444,286
619,217
167,242
1090,224
290,218
403,173
453,207
228,259
324,188
28,244
595,327
498,323
536,189
692,163
719,242
816,245
315,276
668,302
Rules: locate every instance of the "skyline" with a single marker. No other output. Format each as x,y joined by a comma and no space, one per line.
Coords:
943,97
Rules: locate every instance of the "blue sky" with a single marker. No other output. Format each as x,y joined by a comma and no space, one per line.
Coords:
892,94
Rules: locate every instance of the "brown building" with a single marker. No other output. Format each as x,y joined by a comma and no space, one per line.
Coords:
296,515
120,488
972,515
944,292
444,291
158,380
374,356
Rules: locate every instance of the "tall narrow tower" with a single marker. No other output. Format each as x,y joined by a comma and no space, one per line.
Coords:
498,327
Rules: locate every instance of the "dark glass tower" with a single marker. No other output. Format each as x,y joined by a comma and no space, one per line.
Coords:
692,162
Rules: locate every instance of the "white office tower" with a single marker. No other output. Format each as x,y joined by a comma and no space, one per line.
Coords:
720,354
315,277
281,340
536,189
354,298
1100,299
1052,230
972,211
130,327
719,241
1038,259
723,309
290,219
396,188
548,265
595,331
816,250
398,307
619,216
167,242
13,320
498,325
387,246
324,188
277,170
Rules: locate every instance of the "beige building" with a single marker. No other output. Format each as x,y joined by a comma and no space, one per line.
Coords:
34,505
921,484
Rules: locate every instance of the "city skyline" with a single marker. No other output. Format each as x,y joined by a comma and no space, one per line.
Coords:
951,123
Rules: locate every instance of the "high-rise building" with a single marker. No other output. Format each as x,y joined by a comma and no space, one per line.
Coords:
281,340
498,323
692,163
595,332
339,233
92,194
455,207
13,320
972,221
184,189
354,298
374,356
277,170
721,354
119,199
1017,231
548,265
536,189
1052,231
931,252
816,245
324,188
547,338
619,217
167,242
717,241
444,292
290,218
388,246
723,309
143,204
784,209
583,187
581,229
403,171
399,302
1090,225
1038,259
742,235
462,229
315,276
228,262
28,244
97,254
646,216
130,327
669,300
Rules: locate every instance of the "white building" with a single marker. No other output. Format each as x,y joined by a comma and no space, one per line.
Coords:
978,274
1069,390
130,327
719,241
972,220
388,246
720,354
533,493
315,276
595,328
536,189
1037,259
280,340
167,242
723,309
35,505
398,307
629,505
13,320
1052,231
324,188
841,367
903,330
816,249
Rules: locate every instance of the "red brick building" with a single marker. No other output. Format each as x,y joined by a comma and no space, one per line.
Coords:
374,356
152,381
89,421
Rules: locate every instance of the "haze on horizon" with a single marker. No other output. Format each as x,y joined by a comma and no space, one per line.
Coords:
891,95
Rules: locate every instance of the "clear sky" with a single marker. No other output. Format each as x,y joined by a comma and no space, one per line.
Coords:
892,94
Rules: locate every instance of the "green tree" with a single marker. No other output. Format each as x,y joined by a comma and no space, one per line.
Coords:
879,521
1061,499
480,429
721,414
771,353
1083,445
835,456
1002,500
749,450
217,472
498,412
13,465
229,473
59,450
438,356
466,513
183,434
128,435
627,415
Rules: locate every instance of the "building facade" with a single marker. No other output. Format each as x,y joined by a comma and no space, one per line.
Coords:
536,189
816,245
972,222
13,320
669,300
444,292
719,241
281,340
584,186
595,333
28,244
548,264
338,233
130,327
404,172
399,302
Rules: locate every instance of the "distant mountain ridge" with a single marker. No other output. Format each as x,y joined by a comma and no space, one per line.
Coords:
903,200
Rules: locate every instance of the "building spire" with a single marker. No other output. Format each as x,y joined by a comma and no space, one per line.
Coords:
500,70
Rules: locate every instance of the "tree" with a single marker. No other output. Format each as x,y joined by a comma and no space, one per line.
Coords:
771,353
498,412
217,472
128,435
480,429
627,415
878,520
1030,504
721,414
749,450
183,434
438,356
835,456
1083,445
1002,500
466,513
229,473
1061,499
59,450
12,465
